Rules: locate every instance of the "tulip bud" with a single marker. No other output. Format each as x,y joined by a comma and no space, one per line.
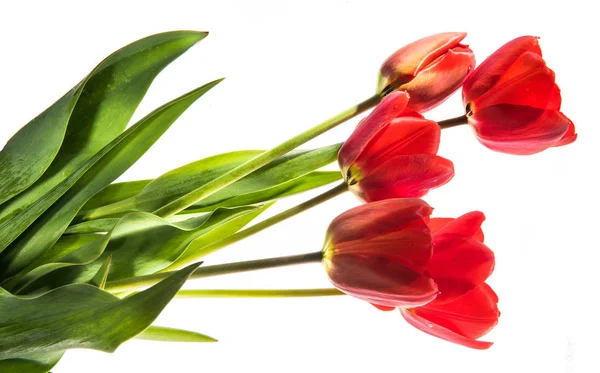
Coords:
392,153
429,69
513,103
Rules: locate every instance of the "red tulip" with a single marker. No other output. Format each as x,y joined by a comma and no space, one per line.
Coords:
429,69
392,153
378,252
466,308
513,102
390,254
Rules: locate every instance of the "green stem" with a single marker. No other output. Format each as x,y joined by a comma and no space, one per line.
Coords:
257,162
271,293
135,283
195,256
453,122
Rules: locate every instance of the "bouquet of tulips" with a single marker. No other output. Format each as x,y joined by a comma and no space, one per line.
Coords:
88,263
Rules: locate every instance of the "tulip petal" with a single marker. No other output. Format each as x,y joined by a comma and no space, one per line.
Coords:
467,225
390,107
405,176
569,137
528,83
458,265
462,321
411,246
491,70
383,308
409,60
519,130
402,136
440,79
378,218
381,281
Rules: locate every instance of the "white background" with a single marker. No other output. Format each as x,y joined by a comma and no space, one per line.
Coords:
288,66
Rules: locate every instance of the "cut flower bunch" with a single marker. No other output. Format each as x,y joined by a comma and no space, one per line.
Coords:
89,263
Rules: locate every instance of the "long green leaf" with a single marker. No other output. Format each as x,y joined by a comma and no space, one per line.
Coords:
93,176
87,118
116,192
140,244
80,316
163,334
182,180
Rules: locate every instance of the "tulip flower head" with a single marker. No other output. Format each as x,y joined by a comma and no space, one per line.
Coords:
513,103
392,255
429,69
392,153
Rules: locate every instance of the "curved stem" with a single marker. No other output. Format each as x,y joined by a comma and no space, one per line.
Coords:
135,283
257,162
194,256
249,293
453,122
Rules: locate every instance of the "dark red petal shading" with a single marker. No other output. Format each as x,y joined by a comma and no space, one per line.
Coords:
519,130
440,79
383,308
406,176
569,137
462,321
467,225
379,218
402,136
458,265
491,70
390,107
380,280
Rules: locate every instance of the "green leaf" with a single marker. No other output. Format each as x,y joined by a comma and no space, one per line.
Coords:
97,173
87,118
31,363
163,334
180,181
99,279
307,182
140,244
80,316
92,226
116,192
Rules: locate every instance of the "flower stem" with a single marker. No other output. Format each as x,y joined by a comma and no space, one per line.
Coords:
453,122
271,293
135,283
257,162
194,256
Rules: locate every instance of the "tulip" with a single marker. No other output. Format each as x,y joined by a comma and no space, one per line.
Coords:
466,308
392,153
390,254
429,69
513,102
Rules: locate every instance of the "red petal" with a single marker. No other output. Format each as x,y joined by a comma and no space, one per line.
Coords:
440,79
405,176
531,84
383,308
463,321
402,136
491,70
520,130
378,218
458,265
391,107
380,280
569,137
409,60
467,225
